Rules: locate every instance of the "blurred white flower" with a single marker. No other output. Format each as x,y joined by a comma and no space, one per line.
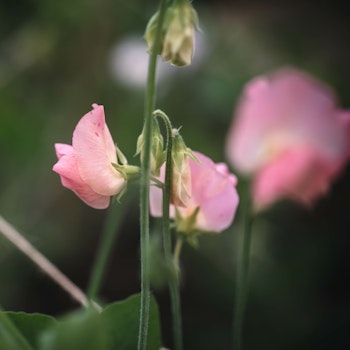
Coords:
128,62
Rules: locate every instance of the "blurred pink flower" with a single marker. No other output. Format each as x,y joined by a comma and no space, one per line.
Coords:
86,166
290,136
213,194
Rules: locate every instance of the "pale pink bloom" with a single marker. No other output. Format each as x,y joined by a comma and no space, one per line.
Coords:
86,166
213,192
290,136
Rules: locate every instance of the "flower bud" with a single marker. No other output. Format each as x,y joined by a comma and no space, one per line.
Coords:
180,191
177,33
157,151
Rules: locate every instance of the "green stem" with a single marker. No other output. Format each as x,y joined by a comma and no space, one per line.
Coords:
242,277
109,236
177,251
8,330
174,287
145,179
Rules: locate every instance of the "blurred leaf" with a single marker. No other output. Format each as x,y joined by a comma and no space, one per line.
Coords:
121,321
116,328
79,330
31,325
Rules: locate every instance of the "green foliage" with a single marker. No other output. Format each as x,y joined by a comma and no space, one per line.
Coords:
115,328
80,330
121,320
31,325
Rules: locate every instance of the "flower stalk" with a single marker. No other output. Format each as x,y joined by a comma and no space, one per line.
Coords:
242,276
173,279
145,180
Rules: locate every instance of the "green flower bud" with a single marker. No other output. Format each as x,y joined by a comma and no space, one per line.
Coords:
178,43
157,150
150,32
177,33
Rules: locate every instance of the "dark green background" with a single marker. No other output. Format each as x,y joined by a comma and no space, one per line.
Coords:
54,65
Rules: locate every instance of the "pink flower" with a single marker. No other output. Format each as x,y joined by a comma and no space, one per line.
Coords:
213,196
290,136
86,166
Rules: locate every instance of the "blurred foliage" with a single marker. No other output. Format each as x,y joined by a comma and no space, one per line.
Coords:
114,328
55,61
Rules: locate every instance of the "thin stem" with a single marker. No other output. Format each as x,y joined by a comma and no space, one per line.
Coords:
174,287
40,260
177,252
242,277
10,331
109,236
145,180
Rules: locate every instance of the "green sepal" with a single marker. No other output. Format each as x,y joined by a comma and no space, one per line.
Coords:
186,225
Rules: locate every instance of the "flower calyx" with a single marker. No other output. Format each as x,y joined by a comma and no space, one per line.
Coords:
126,171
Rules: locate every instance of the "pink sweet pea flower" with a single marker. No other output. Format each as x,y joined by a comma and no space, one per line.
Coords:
214,196
86,166
290,136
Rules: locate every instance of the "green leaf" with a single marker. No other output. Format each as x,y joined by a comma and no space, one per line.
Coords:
121,320
31,325
116,328
82,329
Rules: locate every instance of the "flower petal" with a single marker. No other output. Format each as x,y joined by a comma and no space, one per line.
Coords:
94,151
275,113
214,193
300,174
67,168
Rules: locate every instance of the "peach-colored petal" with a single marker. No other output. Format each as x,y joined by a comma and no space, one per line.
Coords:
94,151
66,167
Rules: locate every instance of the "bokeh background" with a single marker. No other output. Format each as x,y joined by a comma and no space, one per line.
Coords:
59,57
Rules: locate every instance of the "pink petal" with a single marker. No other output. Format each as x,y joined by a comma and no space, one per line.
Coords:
299,174
275,113
94,151
213,191
155,201
66,167
215,194
156,198
62,149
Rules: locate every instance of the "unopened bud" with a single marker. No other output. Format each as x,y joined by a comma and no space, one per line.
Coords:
177,33
181,187
157,151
